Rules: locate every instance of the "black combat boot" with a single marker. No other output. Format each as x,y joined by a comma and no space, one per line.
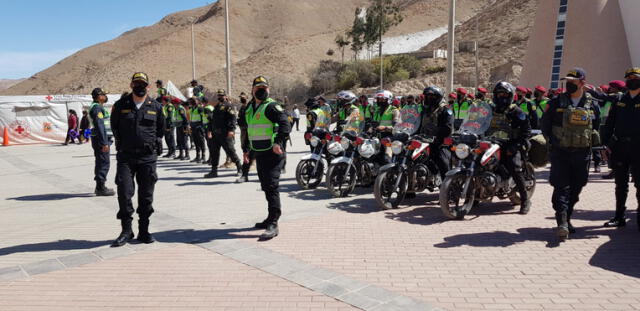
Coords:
562,231
180,156
618,220
186,156
103,191
525,207
239,169
126,235
143,231
242,179
197,158
271,232
212,174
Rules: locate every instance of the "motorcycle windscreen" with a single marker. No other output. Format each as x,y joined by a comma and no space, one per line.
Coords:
323,119
354,123
478,119
410,120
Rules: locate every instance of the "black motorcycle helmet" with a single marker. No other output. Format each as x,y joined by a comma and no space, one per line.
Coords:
432,96
311,103
503,94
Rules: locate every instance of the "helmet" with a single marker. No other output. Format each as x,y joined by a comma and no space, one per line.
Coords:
431,91
388,96
503,102
346,97
97,92
311,103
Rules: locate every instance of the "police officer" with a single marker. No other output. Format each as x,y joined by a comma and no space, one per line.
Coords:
197,128
460,106
540,101
244,141
437,122
169,112
138,126
510,119
101,136
568,125
386,115
198,90
162,92
527,106
268,128
207,122
481,94
346,103
182,129
224,126
621,135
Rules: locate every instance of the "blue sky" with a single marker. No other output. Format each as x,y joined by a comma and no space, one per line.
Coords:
38,33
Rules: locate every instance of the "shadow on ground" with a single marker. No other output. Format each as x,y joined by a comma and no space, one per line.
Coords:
52,196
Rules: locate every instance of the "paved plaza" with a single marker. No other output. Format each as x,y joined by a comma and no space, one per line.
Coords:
332,254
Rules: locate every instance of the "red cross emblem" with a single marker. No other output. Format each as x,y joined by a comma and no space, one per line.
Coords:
19,129
49,98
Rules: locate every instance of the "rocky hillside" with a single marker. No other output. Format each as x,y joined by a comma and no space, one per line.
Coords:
7,83
281,39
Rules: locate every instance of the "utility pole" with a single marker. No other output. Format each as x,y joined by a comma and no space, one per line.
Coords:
477,46
380,47
450,46
226,34
193,51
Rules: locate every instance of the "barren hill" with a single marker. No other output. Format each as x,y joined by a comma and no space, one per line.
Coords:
281,39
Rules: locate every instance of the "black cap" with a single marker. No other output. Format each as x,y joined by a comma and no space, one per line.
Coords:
97,91
576,74
194,81
159,82
260,81
140,76
221,92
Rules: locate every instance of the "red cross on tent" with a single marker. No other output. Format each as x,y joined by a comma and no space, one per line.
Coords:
49,98
19,129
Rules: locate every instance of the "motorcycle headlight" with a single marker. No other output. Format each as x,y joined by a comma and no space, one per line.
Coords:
345,142
314,141
335,148
396,147
462,151
367,149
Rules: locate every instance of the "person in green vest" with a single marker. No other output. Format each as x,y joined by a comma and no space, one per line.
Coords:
540,101
182,129
386,115
527,106
481,96
101,139
346,104
460,107
207,122
366,110
197,129
161,90
268,128
169,126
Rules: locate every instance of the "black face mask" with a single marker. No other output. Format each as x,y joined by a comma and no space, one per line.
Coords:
221,99
140,90
262,94
243,100
480,96
633,84
537,94
501,103
571,88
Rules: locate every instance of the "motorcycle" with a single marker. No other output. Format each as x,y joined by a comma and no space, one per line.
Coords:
478,175
347,170
312,167
411,169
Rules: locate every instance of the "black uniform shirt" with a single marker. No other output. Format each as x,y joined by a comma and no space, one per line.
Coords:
623,120
224,118
137,130
99,131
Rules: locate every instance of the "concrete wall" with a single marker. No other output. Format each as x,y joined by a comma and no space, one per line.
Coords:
595,40
630,10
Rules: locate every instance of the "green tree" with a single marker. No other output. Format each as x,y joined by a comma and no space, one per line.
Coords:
342,41
356,33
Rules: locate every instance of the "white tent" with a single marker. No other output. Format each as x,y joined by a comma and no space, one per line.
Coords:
43,118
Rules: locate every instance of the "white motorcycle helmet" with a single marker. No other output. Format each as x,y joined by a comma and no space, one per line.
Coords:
345,97
386,95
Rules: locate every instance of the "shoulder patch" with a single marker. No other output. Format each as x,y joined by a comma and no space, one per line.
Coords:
100,115
621,105
125,110
151,112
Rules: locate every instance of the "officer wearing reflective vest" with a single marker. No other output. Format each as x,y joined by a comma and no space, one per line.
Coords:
527,106
481,95
621,134
244,141
268,128
101,138
511,125
386,115
570,126
197,128
366,110
540,101
169,120
138,126
182,129
437,122
346,101
223,134
207,122
161,90
460,106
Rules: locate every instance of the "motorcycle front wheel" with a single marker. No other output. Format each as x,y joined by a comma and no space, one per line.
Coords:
386,194
304,174
340,182
450,197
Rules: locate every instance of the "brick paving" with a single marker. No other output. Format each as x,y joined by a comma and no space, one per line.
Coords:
334,252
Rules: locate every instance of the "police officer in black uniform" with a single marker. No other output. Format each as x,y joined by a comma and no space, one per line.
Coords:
244,141
264,116
570,125
196,113
101,139
437,122
621,134
511,119
138,126
224,127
